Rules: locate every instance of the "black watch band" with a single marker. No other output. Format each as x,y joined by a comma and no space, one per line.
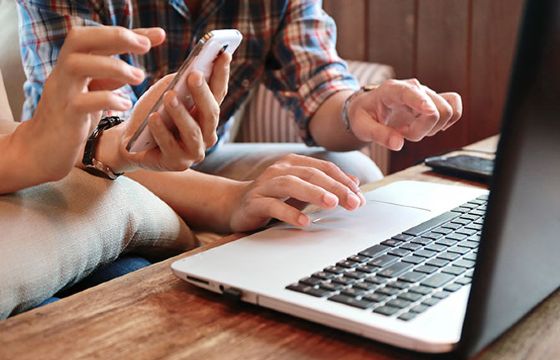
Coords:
92,165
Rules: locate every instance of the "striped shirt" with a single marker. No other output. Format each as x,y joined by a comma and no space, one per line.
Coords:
288,45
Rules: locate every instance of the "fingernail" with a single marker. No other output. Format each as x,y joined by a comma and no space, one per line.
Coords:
330,199
142,40
396,143
303,220
198,80
362,199
174,101
353,200
126,103
137,73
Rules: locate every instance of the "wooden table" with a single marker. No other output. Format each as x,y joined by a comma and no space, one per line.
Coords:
151,314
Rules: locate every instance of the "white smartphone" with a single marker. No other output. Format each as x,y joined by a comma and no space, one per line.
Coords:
201,58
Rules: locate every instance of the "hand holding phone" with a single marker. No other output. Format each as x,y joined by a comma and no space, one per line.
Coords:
201,59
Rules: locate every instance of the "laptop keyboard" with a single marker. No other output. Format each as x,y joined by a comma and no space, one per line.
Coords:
407,274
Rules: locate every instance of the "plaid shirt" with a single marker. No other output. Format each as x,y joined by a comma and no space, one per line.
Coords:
289,45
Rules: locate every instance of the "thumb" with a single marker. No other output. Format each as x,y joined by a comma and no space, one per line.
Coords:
367,129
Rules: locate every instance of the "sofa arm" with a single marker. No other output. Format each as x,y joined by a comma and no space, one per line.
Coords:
263,119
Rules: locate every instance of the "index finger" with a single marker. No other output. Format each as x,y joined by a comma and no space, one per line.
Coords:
105,40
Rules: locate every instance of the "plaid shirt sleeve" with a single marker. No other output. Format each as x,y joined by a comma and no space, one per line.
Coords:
306,69
44,25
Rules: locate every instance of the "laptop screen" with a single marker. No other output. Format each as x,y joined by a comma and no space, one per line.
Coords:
517,263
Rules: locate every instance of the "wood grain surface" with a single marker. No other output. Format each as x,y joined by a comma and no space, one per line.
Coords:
150,314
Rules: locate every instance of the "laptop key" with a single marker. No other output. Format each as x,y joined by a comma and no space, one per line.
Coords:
391,242
368,269
356,274
412,276
346,264
433,235
452,287
386,310
456,237
422,240
459,250
450,256
423,290
374,250
398,303
468,244
435,247
413,259
347,300
442,230
430,224
353,292
454,270
419,309
399,252
430,301
478,212
425,253
383,260
410,296
452,226
446,242
441,295
465,263
398,284
474,226
463,281
437,262
395,269
403,237
470,256
324,275
466,231
375,297
426,269
388,291
411,246
358,258
332,286
461,209
311,281
344,280
365,286
376,280
309,290
335,269
437,280
407,316
461,221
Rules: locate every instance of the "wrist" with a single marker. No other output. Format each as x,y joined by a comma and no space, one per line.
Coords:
110,150
351,101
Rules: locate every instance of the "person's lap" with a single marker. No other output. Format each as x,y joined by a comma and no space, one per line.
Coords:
56,234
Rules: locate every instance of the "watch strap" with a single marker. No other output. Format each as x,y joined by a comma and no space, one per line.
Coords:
92,165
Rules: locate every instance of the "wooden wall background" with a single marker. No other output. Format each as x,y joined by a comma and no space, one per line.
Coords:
450,45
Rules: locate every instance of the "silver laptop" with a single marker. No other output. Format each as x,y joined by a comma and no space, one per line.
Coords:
424,266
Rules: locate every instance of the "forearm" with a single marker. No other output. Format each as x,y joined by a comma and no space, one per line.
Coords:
327,128
18,170
204,201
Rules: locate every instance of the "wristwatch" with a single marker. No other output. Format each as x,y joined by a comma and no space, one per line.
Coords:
91,164
345,116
